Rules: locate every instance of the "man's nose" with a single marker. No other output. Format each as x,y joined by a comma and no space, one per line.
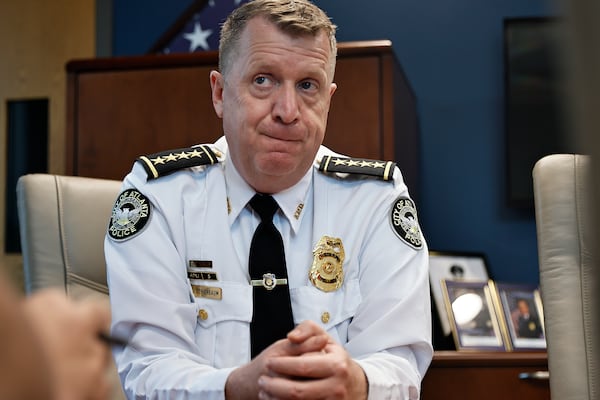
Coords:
286,105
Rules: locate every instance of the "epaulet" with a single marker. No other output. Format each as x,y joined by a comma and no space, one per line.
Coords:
381,169
166,162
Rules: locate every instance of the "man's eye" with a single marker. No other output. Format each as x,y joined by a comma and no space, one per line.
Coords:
306,85
260,80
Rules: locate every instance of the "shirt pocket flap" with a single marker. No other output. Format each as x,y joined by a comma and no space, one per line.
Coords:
235,304
326,308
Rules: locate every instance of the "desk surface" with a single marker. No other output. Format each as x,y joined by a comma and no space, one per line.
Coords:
488,359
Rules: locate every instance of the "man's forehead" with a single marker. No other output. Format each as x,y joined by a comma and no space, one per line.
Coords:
258,24
262,38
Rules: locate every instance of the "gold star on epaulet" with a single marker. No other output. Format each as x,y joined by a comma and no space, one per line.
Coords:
166,162
381,169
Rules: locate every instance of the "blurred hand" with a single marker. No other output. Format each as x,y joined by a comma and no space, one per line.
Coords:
68,333
308,364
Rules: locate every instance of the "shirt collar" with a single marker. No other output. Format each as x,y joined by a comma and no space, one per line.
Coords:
291,201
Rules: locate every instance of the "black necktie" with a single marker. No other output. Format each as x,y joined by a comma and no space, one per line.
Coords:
272,312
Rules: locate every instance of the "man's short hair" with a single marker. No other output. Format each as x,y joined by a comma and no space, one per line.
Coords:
294,17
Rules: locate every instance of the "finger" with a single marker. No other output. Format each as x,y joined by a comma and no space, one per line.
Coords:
97,313
101,390
309,365
262,395
305,330
313,344
285,347
283,388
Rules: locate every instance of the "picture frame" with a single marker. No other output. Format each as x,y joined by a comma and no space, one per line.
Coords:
522,315
461,266
472,311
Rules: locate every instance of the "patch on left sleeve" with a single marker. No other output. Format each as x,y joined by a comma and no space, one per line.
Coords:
405,223
129,216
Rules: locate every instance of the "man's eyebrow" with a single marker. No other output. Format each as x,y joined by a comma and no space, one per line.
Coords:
259,67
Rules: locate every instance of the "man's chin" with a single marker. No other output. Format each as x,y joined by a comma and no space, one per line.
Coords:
278,164
276,176
278,171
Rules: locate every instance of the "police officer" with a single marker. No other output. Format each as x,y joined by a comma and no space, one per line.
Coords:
182,239
528,325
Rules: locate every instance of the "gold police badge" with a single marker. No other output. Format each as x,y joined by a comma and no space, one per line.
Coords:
532,326
326,272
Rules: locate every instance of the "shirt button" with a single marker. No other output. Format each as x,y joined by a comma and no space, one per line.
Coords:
325,317
203,314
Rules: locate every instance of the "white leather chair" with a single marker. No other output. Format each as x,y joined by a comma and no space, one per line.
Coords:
62,221
568,273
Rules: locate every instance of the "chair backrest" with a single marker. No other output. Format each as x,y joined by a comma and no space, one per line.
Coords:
567,273
62,221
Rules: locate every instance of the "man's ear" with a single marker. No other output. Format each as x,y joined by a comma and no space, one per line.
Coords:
332,89
216,86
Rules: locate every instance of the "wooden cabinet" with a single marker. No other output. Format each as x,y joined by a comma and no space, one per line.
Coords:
490,376
120,108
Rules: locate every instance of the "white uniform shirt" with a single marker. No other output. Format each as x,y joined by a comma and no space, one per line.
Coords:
185,346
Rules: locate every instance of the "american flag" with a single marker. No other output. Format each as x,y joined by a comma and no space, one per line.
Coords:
201,31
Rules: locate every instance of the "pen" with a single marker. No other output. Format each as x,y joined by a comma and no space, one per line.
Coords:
112,340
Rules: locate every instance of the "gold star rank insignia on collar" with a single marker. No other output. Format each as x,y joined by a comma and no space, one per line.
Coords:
381,169
166,162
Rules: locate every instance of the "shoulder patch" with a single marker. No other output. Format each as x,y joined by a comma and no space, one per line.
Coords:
129,216
405,223
381,169
166,162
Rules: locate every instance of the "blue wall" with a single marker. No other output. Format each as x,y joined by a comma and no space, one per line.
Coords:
452,53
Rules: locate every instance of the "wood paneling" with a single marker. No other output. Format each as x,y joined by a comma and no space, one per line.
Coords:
120,108
37,38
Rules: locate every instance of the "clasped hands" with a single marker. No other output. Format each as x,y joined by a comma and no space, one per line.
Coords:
307,364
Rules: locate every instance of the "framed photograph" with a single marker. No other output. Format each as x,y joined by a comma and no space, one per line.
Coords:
453,266
474,322
522,314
